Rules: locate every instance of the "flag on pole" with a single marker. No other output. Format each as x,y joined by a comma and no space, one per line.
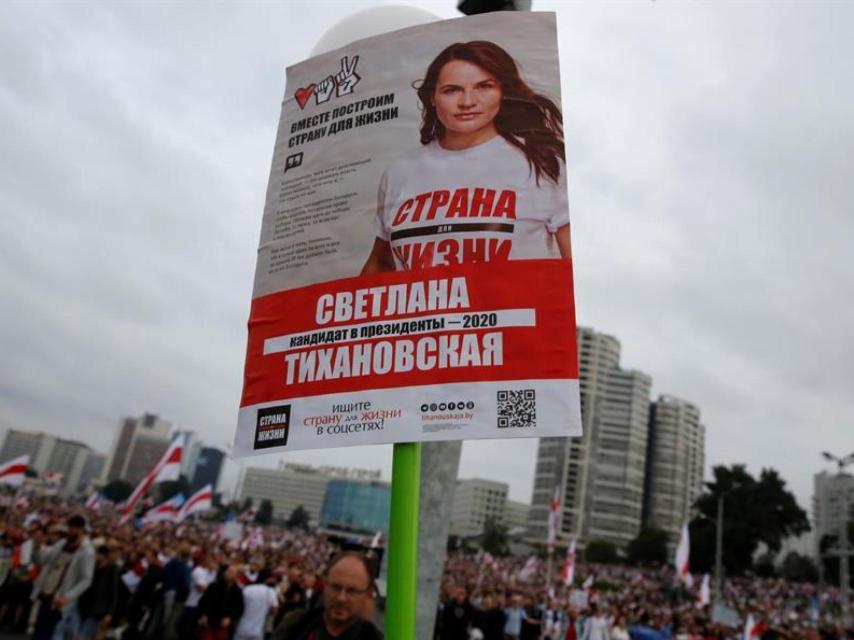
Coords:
683,552
704,597
167,468
247,515
201,500
22,554
94,501
588,583
569,565
554,515
752,629
14,471
375,541
165,511
526,572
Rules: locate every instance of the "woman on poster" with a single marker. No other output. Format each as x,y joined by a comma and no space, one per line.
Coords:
488,183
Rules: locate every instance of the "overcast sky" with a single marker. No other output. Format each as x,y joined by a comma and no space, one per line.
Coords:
710,156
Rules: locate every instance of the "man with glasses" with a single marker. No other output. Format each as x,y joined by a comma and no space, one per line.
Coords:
348,599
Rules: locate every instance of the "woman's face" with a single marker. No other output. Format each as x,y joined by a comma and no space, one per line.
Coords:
466,98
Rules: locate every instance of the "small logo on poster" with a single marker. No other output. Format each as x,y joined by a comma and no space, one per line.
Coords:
342,84
293,161
271,428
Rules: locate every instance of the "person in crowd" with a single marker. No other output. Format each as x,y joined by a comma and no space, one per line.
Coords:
644,630
68,567
596,627
145,578
260,600
177,582
490,618
347,596
202,575
514,615
619,631
221,606
294,596
532,621
98,603
457,616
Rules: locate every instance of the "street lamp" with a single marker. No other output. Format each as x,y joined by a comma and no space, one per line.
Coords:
842,550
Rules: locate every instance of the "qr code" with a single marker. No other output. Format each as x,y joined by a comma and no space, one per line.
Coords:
517,409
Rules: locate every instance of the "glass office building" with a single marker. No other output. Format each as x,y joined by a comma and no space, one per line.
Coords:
360,507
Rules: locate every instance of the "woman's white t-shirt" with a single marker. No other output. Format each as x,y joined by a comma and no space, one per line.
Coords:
481,204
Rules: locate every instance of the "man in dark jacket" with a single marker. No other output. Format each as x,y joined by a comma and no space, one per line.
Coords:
98,603
490,620
221,605
457,615
348,602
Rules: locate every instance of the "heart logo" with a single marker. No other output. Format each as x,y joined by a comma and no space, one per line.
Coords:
302,95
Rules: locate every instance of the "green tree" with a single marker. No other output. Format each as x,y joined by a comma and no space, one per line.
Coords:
755,511
169,488
494,538
299,519
265,513
117,490
648,548
601,551
798,568
764,565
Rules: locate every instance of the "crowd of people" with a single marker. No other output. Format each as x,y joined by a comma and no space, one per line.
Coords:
514,597
67,572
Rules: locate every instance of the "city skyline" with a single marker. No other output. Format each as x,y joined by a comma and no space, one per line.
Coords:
706,151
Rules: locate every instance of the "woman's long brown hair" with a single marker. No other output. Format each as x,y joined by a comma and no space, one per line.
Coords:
527,120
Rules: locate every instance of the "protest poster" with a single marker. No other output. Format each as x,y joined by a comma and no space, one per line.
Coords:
414,275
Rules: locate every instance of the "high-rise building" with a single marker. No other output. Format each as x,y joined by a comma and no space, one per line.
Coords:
832,493
600,474
138,445
516,516
296,485
356,506
67,458
20,443
208,468
477,501
190,455
675,462
92,470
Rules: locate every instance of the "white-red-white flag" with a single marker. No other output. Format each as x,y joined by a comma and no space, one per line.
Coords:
254,540
14,471
704,597
201,500
683,553
752,629
526,572
166,511
554,516
569,565
167,468
94,501
22,554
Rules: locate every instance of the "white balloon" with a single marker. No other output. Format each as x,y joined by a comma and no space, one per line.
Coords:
371,22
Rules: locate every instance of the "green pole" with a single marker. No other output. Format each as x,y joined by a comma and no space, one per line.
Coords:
403,542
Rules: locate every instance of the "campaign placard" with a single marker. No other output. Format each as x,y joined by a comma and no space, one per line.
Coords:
414,273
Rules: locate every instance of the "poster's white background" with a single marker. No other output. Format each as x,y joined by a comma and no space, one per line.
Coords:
708,154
